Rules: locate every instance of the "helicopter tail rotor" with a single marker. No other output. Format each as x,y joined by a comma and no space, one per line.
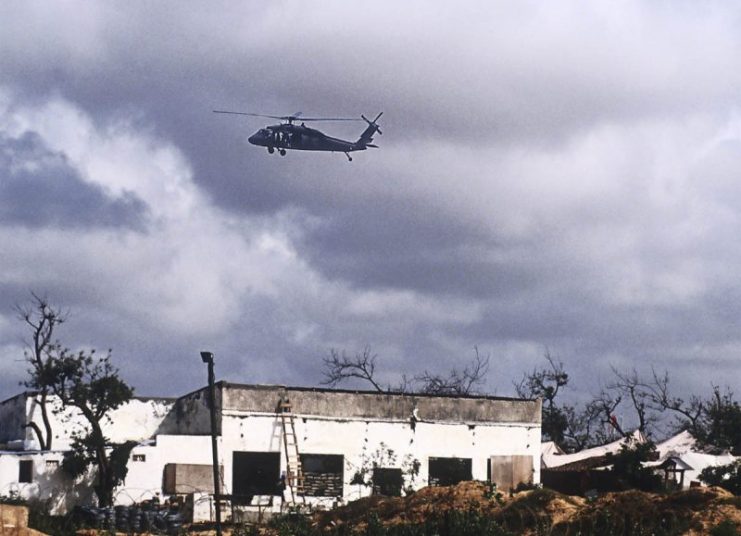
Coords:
367,136
373,123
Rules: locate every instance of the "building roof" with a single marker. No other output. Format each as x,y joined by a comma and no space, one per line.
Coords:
679,444
551,458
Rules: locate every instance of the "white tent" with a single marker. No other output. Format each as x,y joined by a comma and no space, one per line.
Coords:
683,450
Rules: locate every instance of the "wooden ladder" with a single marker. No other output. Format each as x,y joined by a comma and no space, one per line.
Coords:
294,473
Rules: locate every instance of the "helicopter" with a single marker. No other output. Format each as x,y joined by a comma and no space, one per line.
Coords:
288,135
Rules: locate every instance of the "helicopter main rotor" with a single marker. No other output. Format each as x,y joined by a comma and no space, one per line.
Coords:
289,119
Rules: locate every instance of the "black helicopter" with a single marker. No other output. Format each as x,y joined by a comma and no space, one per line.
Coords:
288,135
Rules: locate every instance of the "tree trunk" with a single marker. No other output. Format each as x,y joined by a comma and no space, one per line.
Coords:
105,485
45,419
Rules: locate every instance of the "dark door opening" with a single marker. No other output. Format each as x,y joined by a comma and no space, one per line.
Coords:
387,481
255,473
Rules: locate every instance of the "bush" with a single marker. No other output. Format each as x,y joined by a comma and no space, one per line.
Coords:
726,476
627,466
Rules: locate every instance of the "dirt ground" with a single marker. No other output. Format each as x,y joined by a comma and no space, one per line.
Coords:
692,512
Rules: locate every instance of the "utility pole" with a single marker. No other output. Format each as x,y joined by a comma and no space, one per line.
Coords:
208,358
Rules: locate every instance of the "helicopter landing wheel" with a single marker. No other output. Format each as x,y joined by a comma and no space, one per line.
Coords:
282,152
349,158
271,150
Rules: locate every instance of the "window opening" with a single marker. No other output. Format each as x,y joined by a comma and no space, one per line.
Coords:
25,471
323,474
449,471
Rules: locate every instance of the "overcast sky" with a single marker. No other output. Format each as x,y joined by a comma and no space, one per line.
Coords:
551,175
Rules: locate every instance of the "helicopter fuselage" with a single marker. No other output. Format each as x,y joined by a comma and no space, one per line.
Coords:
302,138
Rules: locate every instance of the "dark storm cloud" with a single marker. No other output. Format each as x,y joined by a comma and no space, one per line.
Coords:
405,245
38,188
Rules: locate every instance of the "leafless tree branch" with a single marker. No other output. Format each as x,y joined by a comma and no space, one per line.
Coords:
338,367
457,381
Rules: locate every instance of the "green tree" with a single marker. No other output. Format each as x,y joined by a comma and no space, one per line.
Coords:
546,383
720,423
93,386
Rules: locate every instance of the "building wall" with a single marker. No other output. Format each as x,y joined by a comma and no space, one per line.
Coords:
48,483
390,431
145,478
386,443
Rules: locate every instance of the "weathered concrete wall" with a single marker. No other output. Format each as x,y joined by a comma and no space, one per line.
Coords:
365,405
190,414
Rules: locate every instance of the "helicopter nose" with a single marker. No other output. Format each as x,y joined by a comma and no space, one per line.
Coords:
254,139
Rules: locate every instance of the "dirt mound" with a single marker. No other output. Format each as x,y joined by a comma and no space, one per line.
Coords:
691,512
412,509
522,511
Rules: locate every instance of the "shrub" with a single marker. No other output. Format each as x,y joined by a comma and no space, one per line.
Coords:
726,476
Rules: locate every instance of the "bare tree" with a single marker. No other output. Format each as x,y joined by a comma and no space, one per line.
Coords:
582,427
639,393
690,411
457,382
714,421
42,318
602,408
339,367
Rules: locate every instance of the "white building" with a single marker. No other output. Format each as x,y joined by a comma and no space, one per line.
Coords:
350,443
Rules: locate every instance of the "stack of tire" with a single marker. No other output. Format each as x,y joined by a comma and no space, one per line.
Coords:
130,519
